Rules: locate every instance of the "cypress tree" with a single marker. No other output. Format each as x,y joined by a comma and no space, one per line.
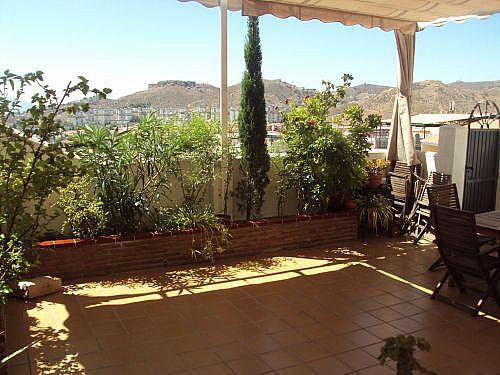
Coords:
252,125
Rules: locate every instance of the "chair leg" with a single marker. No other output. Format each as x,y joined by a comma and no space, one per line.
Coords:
440,285
457,279
424,230
492,286
479,305
438,263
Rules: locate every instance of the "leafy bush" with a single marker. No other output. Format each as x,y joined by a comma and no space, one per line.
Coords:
196,150
134,170
323,164
84,213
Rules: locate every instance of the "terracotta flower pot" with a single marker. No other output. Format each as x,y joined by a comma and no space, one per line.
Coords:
374,181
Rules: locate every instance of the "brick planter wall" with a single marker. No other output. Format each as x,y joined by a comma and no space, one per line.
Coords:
70,259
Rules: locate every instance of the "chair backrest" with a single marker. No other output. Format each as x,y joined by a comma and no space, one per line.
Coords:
455,231
443,195
434,178
402,168
438,178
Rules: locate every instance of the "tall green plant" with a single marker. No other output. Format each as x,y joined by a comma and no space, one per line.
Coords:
33,161
252,126
104,157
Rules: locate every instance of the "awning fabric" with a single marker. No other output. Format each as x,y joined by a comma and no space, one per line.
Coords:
401,145
407,16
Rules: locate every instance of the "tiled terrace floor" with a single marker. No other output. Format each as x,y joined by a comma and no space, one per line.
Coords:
314,311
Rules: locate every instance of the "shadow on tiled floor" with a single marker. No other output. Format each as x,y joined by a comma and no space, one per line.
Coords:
313,311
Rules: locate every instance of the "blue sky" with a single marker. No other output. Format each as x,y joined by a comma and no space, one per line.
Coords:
129,43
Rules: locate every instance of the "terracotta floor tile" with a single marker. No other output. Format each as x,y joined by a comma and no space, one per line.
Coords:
357,359
230,352
279,359
299,320
190,343
315,331
377,370
308,351
297,370
336,343
217,369
289,337
249,365
261,344
406,308
384,330
200,358
386,314
273,325
406,325
387,299
365,320
361,338
342,325
329,366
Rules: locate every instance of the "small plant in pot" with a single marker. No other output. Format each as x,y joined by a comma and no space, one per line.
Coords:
401,349
375,212
376,169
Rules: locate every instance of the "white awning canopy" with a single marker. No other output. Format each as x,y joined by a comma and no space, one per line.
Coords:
407,16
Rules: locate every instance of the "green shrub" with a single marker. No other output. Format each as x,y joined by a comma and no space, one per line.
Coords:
323,164
84,213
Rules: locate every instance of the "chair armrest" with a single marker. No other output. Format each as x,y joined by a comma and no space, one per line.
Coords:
398,175
488,249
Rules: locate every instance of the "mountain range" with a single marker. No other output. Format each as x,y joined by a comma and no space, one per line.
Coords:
428,96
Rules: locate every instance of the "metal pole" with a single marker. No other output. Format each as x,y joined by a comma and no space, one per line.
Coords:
223,104
223,70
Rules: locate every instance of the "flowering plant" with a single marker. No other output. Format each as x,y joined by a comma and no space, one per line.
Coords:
376,166
322,163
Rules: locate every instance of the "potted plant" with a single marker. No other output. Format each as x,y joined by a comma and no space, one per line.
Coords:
401,349
376,171
375,212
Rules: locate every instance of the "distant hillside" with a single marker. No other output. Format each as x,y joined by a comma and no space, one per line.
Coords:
428,96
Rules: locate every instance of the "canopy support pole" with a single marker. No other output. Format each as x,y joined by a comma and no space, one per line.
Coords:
223,111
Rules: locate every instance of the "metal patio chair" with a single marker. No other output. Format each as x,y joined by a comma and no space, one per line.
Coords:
463,256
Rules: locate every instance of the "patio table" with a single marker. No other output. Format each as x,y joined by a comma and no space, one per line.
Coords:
488,223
